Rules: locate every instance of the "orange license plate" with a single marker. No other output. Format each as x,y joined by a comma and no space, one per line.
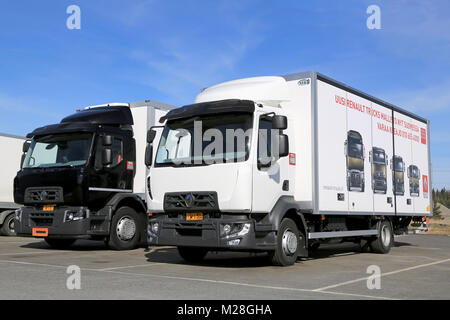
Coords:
48,208
40,232
194,216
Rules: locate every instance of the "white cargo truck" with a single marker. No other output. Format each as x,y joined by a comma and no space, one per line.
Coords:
85,177
346,166
11,147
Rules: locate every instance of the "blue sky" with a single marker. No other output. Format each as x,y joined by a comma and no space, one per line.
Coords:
168,50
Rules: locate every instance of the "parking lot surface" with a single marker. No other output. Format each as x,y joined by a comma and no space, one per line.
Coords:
418,267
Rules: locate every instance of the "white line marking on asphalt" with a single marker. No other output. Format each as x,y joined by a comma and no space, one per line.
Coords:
245,284
382,275
27,252
150,264
203,280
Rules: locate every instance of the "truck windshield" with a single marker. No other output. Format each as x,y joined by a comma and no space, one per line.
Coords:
355,148
414,172
398,164
205,140
378,157
59,150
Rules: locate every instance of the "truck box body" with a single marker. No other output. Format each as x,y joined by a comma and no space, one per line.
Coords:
146,114
11,147
323,112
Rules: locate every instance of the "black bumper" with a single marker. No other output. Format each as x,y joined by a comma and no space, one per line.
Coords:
179,232
55,225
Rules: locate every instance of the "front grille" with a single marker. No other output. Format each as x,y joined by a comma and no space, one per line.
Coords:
44,195
182,201
42,219
355,179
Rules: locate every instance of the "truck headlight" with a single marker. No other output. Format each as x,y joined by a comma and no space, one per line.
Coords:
231,230
76,215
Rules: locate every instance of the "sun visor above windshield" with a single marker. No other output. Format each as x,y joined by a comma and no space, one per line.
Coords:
63,128
116,115
208,108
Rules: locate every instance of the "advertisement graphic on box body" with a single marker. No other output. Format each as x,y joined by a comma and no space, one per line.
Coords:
379,161
355,161
398,174
414,180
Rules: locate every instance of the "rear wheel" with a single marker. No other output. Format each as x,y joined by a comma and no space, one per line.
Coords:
385,240
288,244
192,254
60,243
8,226
125,230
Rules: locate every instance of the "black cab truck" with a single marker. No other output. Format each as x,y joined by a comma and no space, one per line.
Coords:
84,178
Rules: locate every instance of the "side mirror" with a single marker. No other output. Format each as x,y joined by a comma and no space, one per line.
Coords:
22,160
26,146
107,140
151,134
149,155
279,122
283,145
107,157
345,148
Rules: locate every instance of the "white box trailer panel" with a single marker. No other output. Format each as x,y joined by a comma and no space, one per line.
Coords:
11,147
146,114
372,158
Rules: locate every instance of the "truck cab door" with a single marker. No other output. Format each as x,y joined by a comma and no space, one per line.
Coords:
269,174
119,174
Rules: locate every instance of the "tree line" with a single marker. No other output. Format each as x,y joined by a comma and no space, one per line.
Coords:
440,196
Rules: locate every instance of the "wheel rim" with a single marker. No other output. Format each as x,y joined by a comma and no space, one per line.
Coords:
11,225
126,228
385,236
289,242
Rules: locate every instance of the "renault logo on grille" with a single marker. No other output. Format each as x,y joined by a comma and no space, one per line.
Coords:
189,199
43,195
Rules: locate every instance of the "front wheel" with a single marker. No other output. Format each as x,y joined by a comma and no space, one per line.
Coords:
125,229
385,240
192,254
8,226
288,244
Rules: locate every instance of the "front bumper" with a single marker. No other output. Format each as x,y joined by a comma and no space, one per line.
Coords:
178,232
58,225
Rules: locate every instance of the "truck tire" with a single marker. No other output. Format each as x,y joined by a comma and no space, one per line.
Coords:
385,240
125,229
192,254
288,244
8,226
60,243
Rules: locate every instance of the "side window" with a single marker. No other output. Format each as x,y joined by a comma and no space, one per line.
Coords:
264,141
117,153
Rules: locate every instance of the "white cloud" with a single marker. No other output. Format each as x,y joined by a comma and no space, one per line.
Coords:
432,99
191,59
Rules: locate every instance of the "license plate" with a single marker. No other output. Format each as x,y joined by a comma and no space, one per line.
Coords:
40,232
48,208
194,216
